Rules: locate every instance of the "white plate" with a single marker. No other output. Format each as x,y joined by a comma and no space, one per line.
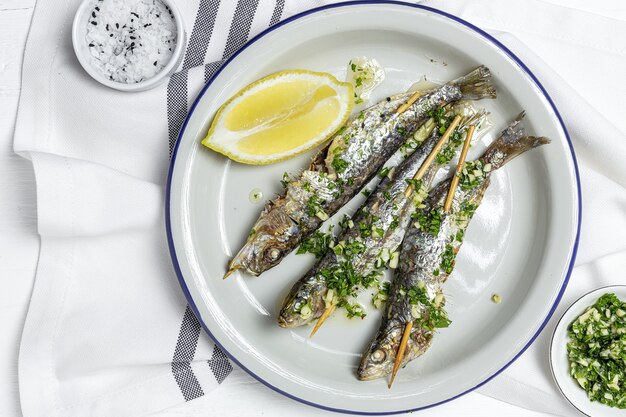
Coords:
558,356
521,243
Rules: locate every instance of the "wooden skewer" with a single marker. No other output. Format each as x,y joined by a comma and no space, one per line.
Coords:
323,318
401,349
230,271
418,176
446,207
459,168
431,157
409,102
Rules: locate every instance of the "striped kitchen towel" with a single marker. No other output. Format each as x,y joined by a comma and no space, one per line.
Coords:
108,331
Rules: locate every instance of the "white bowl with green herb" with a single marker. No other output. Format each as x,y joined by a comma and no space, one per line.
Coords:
588,352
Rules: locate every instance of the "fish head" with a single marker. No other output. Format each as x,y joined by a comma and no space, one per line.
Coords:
378,360
307,292
269,241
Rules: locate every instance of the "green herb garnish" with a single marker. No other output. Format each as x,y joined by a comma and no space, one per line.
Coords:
314,205
339,165
318,243
597,351
286,180
429,221
447,259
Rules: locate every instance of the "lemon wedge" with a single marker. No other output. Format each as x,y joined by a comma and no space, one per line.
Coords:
280,116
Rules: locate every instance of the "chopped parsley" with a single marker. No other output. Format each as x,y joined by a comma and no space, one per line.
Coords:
416,184
439,116
464,215
344,280
383,172
380,297
353,309
366,192
449,151
473,174
353,248
401,130
286,180
339,165
365,229
418,137
314,206
428,312
346,222
417,294
447,259
429,221
597,351
318,243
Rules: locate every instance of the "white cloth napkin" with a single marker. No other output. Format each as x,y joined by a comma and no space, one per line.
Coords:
108,332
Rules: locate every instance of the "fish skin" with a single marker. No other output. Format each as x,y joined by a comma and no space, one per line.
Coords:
421,255
364,145
387,202
312,287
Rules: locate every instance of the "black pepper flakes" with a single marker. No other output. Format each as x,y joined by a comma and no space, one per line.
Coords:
154,63
93,14
388,99
117,26
94,23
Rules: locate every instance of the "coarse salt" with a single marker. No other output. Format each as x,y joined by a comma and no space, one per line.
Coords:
130,40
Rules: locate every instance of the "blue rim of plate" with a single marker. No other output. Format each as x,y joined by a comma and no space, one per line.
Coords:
476,29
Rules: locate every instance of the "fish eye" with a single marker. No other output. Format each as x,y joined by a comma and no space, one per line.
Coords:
378,356
273,254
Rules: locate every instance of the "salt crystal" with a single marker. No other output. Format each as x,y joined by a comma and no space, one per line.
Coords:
130,39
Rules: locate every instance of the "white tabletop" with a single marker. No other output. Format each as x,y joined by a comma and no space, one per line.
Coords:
19,246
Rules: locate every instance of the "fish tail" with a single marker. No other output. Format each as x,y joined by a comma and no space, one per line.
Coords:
477,119
476,85
511,143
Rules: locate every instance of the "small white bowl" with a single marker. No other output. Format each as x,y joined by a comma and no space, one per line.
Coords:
560,364
79,29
